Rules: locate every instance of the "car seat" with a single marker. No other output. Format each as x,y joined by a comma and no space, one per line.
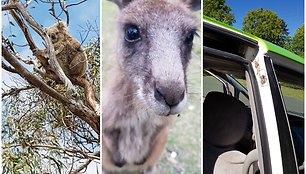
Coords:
225,123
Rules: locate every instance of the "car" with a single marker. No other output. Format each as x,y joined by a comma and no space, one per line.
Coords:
253,110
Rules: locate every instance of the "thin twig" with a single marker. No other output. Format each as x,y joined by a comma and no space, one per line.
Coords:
83,166
69,150
76,3
8,68
15,91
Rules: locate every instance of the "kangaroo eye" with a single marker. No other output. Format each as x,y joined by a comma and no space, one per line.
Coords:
132,33
189,37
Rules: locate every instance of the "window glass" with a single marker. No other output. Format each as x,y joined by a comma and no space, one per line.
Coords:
242,97
293,97
211,84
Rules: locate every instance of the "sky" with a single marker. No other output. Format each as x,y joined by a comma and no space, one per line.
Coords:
80,15
292,12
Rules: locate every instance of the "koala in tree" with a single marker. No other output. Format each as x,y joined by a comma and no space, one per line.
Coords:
68,50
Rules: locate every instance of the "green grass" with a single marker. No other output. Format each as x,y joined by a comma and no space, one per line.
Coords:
294,92
185,133
293,96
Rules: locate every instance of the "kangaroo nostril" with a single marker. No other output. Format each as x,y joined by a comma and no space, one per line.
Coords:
177,98
182,96
171,95
158,95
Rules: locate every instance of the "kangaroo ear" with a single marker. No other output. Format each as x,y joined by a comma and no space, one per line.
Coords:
195,5
121,3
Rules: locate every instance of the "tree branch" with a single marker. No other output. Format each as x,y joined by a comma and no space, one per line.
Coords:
76,108
8,68
15,91
8,7
76,3
83,166
24,29
89,93
70,127
17,5
63,7
52,11
69,150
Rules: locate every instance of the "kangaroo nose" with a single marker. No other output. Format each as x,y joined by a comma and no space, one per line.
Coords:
172,94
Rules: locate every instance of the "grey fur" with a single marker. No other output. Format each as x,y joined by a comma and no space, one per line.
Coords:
157,61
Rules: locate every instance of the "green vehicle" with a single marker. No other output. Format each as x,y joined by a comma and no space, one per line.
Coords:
253,104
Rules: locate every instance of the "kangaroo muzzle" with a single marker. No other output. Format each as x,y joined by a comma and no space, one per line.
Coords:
171,94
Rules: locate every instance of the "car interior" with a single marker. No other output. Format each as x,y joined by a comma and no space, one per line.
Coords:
229,145
228,139
297,131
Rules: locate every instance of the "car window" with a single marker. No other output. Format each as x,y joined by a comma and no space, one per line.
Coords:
293,96
241,96
244,99
241,121
211,84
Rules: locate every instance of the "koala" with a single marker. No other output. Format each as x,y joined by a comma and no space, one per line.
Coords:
68,50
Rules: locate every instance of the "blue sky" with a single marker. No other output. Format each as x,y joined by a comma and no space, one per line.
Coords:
81,14
291,11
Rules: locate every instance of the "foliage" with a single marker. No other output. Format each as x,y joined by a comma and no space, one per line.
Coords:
40,135
297,43
218,10
32,125
44,128
92,50
266,25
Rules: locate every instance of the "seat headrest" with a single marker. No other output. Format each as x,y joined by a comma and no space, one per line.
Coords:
225,119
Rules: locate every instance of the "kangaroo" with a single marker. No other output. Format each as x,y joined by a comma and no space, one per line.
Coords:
148,88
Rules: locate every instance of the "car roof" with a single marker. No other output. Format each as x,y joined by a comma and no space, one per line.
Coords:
283,53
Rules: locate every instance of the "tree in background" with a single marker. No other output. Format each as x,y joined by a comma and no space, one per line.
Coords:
44,128
266,25
297,43
218,10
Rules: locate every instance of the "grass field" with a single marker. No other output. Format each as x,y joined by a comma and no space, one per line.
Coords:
185,133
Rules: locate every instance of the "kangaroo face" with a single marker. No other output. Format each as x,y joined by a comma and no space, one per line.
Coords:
155,44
